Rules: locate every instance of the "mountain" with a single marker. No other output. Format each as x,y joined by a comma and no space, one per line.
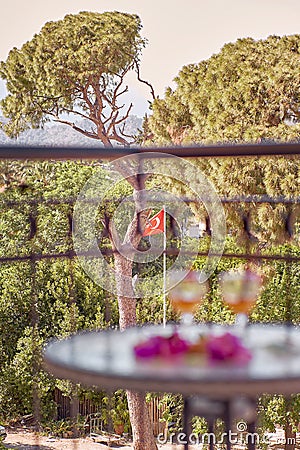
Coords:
59,135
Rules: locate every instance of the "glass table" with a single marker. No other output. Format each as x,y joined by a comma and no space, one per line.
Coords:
106,359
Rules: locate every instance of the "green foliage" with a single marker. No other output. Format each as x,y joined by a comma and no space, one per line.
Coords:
247,92
199,425
49,298
172,406
75,67
65,428
213,309
15,306
278,410
67,301
274,177
22,378
115,409
279,300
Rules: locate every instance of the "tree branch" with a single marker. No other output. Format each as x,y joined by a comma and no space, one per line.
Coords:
71,111
86,98
126,135
126,115
76,128
137,68
98,106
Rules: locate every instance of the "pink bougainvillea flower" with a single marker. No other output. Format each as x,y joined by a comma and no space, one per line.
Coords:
227,348
161,346
177,345
147,349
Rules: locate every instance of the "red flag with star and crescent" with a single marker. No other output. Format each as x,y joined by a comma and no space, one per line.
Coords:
155,225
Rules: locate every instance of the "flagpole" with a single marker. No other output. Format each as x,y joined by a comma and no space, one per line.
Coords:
164,271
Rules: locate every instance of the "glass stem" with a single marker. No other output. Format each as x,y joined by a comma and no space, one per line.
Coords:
241,322
187,319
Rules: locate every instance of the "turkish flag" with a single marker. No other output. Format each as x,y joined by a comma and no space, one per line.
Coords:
155,225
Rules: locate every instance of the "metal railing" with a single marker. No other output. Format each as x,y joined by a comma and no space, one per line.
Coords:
29,207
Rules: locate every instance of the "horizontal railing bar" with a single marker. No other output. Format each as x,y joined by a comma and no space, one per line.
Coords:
84,153
72,200
170,252
260,199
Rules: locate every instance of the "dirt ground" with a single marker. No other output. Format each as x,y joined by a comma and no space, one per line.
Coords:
30,441
27,440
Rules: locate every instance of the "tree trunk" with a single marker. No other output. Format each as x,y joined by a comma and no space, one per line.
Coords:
127,305
142,429
290,437
289,434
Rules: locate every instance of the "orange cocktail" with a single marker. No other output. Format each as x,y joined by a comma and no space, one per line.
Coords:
240,289
187,293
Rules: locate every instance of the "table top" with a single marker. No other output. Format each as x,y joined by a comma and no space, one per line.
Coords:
105,359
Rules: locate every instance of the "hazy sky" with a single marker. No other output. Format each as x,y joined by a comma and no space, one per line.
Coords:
179,32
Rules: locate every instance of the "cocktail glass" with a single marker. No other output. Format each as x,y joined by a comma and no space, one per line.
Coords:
240,289
188,292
